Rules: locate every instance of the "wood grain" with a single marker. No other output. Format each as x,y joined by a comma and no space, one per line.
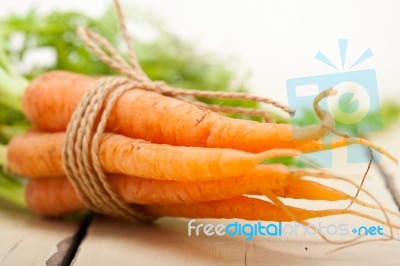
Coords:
28,240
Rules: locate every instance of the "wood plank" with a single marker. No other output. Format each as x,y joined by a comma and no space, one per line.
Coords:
29,240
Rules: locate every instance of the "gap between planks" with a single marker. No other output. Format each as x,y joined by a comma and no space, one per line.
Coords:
68,247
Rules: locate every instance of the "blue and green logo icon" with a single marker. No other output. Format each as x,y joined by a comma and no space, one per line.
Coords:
356,100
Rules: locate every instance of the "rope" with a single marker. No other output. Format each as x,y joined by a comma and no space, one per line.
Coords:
80,153
88,122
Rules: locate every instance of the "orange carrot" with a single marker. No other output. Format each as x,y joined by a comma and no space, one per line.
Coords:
239,207
147,191
310,190
52,197
249,209
55,198
39,155
306,189
50,100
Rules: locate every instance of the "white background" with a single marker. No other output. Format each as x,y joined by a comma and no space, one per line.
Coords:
274,40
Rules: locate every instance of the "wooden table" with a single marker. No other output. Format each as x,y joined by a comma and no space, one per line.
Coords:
29,240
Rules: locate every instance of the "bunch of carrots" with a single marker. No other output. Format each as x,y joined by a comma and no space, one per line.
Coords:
173,158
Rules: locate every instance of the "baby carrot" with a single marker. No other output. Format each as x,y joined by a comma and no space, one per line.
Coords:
306,189
39,155
50,100
148,191
58,198
52,197
310,190
249,209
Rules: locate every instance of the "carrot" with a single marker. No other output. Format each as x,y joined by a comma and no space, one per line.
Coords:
310,190
147,191
306,189
150,116
54,198
239,207
249,209
317,145
39,155
50,100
